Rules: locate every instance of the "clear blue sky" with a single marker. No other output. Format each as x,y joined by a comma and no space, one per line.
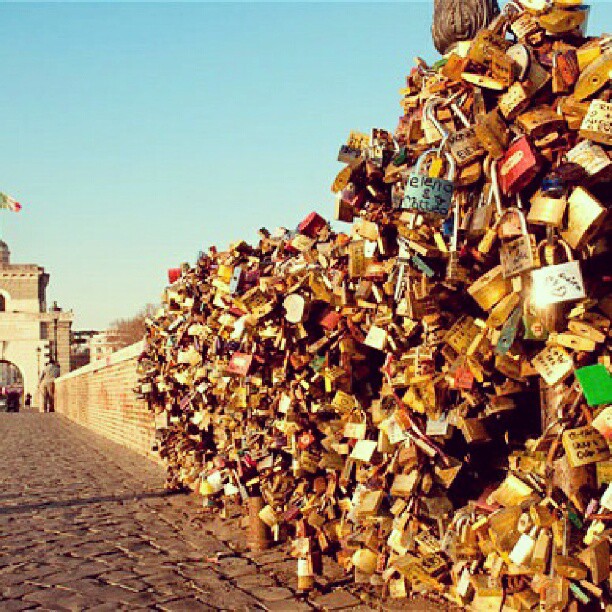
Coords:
136,134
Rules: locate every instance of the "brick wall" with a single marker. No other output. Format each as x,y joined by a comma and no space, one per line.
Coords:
100,396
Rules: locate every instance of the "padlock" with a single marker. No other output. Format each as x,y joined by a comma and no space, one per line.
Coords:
455,273
557,283
481,216
491,232
539,121
597,123
586,215
490,288
519,255
546,210
595,161
502,68
594,77
492,133
565,70
514,100
429,195
560,21
464,145
518,167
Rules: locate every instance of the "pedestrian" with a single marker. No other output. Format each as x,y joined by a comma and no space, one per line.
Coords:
12,401
28,400
47,384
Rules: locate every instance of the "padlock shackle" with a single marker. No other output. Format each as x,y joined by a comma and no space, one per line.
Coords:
546,241
521,217
513,5
519,201
430,105
494,192
455,107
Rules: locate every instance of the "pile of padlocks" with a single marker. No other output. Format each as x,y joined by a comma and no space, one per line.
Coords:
428,397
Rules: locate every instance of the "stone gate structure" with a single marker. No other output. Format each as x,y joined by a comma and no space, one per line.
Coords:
30,333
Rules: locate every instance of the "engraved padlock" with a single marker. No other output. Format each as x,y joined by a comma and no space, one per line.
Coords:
559,282
428,194
431,194
464,144
518,255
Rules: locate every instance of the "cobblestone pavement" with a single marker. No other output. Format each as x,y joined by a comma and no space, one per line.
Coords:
86,524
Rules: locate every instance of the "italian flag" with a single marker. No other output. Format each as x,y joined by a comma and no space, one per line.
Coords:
8,203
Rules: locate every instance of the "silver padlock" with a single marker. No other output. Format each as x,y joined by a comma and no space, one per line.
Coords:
518,255
557,283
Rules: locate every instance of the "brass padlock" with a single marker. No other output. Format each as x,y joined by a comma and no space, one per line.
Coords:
585,216
490,288
546,210
492,133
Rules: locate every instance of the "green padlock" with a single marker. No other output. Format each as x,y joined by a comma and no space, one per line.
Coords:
596,384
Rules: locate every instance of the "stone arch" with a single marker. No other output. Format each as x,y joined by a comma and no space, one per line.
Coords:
5,300
11,378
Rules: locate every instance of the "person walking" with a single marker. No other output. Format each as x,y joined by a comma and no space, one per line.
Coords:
12,401
47,385
28,400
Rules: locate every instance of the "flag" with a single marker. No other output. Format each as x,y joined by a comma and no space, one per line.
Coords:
8,203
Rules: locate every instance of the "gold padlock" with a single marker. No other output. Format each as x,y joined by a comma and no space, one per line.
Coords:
597,123
546,210
586,214
492,133
490,288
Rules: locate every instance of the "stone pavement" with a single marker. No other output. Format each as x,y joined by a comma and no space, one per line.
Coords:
85,524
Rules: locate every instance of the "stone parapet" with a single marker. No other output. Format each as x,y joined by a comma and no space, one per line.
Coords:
100,396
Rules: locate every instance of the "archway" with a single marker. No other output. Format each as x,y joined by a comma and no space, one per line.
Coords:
11,384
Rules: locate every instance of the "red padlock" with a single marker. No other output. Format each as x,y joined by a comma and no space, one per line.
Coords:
174,274
518,167
312,225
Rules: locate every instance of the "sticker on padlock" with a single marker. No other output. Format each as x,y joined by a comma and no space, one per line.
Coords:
557,283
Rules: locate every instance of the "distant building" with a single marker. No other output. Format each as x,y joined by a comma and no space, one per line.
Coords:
30,333
104,343
79,348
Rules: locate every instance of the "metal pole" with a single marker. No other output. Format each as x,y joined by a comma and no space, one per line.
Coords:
55,339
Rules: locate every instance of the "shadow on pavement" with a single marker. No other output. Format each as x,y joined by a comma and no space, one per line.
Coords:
85,501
